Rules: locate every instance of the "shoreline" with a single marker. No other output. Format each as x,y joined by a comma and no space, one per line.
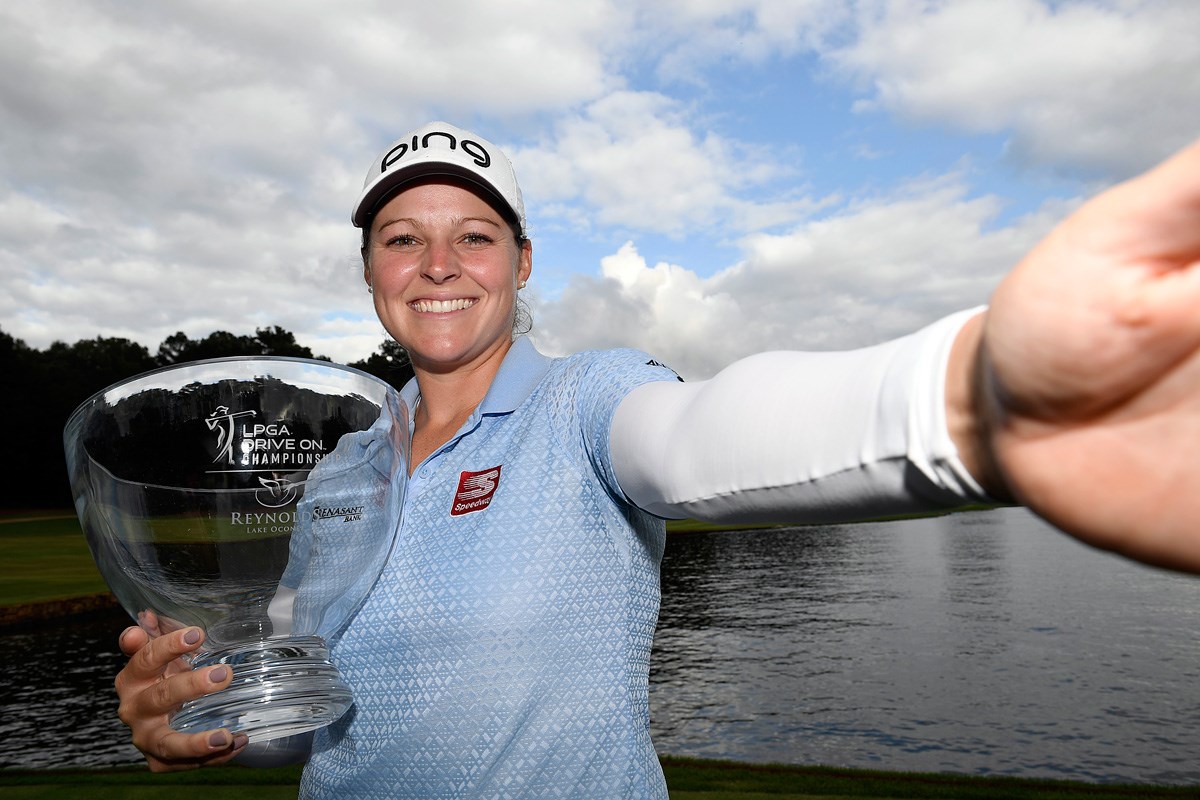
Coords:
686,778
25,615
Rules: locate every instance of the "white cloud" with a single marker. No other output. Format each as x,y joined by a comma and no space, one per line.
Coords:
665,309
634,161
1107,86
190,165
878,269
689,36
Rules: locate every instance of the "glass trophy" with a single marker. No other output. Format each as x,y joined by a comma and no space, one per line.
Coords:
256,498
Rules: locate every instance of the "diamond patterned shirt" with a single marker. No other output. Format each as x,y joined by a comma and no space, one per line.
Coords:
505,649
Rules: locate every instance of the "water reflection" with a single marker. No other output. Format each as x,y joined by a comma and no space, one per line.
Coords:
57,704
979,643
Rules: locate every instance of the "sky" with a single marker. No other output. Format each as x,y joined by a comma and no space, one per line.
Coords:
704,179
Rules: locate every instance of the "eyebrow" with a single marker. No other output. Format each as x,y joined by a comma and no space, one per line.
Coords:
457,222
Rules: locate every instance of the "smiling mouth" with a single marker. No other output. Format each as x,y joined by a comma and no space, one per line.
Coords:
441,306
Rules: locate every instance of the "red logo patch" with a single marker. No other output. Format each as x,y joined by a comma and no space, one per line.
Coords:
475,490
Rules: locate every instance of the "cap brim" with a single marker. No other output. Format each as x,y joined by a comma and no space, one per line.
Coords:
392,182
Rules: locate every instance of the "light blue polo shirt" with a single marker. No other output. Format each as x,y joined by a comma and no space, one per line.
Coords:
505,650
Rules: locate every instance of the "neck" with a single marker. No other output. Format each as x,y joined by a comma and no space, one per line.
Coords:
448,397
447,392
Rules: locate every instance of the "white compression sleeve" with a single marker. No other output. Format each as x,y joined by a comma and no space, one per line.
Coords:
799,437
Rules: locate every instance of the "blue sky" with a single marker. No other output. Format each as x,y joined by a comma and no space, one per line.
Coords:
704,179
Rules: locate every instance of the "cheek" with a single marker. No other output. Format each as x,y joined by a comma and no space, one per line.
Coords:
388,276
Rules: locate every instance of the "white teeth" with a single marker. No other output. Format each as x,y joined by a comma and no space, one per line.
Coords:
441,306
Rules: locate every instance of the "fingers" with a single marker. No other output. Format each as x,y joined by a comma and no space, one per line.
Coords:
167,750
149,660
1170,192
132,639
159,698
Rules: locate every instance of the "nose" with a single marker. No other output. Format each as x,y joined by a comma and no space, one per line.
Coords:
440,263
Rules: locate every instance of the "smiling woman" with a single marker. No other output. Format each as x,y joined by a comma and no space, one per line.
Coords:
444,268
504,650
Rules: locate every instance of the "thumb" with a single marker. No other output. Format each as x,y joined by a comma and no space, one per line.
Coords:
132,639
1154,216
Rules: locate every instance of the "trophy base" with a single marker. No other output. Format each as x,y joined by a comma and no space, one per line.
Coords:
281,687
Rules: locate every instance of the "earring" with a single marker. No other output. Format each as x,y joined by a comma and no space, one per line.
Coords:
370,290
521,285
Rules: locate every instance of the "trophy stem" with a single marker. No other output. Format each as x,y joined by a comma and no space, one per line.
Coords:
281,686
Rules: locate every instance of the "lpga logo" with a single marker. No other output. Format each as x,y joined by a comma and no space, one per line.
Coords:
264,447
221,421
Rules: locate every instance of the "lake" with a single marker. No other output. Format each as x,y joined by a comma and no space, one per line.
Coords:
981,643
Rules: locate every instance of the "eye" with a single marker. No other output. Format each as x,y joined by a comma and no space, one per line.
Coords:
477,238
401,240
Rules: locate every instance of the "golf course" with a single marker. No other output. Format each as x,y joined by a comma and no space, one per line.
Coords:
47,574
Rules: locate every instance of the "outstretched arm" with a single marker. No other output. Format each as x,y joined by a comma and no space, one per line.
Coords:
1079,392
792,437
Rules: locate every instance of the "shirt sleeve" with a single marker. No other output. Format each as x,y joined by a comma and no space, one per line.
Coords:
799,437
600,379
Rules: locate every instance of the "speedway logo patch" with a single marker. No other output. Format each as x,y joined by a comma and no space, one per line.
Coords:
475,491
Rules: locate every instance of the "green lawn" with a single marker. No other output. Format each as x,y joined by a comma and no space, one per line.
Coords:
689,780
45,557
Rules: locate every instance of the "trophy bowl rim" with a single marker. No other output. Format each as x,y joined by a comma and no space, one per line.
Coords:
80,413
99,394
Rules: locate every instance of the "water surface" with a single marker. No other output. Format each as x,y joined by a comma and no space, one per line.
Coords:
983,643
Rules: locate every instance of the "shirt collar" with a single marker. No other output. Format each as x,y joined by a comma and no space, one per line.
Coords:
521,371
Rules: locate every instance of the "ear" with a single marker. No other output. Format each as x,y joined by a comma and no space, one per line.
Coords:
525,261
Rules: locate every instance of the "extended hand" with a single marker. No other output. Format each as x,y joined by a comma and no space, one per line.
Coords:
1091,370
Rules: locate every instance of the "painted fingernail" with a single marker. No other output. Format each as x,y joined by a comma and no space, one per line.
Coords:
219,674
218,739
192,636
240,741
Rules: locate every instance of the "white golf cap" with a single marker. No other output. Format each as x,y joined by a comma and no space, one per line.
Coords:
441,149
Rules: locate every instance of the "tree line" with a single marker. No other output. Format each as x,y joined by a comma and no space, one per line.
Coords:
43,387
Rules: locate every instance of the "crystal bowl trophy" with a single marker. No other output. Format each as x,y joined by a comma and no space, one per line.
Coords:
257,498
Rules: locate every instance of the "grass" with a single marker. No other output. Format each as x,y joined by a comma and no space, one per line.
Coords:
695,779
45,558
689,779
215,783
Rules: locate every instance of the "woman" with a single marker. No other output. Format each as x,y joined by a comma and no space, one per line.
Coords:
504,651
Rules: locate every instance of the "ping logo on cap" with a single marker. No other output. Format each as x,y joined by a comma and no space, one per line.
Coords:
475,491
468,146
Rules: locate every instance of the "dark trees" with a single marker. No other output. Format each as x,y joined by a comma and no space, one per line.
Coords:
43,387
